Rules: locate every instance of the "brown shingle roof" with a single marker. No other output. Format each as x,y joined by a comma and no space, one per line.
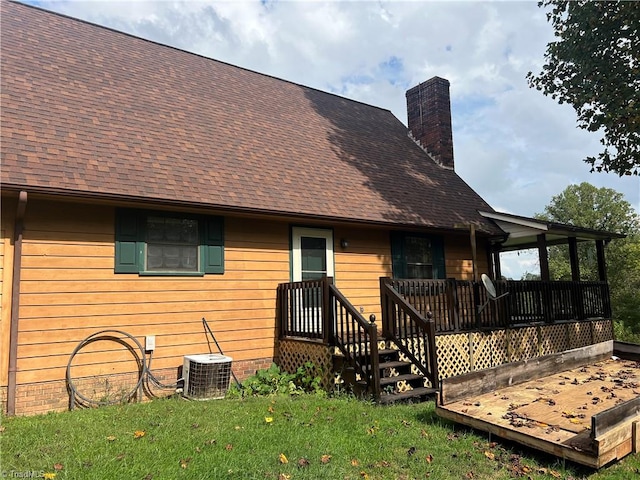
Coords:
88,110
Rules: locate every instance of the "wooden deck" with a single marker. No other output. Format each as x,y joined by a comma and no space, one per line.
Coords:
582,404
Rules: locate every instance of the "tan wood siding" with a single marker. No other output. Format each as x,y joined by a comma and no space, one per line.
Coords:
6,277
458,258
70,291
359,266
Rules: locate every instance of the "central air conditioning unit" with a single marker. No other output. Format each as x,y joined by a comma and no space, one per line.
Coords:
206,376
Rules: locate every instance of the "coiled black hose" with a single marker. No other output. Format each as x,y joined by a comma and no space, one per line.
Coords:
144,372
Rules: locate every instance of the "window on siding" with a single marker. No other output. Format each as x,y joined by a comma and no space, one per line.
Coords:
417,256
157,243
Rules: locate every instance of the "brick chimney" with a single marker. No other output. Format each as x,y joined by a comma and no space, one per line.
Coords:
429,119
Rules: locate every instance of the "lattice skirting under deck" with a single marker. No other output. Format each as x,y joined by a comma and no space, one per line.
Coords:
293,354
460,353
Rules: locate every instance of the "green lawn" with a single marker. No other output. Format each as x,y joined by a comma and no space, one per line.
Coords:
321,438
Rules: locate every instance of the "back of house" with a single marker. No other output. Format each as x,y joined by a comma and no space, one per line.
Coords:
145,187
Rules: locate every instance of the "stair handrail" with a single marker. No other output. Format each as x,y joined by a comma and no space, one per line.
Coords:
416,335
360,333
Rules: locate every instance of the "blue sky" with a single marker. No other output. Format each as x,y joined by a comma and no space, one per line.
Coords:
514,146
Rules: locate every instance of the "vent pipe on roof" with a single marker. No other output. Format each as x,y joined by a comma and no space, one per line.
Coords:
429,119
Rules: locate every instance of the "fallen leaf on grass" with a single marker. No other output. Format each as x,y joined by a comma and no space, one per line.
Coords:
139,434
324,459
195,425
489,455
111,438
303,462
48,475
284,476
58,466
282,458
238,427
383,463
213,441
120,456
228,447
423,433
270,409
355,462
148,476
429,458
548,471
184,463
2,428
364,475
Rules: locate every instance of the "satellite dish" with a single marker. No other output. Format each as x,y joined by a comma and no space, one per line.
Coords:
491,291
489,286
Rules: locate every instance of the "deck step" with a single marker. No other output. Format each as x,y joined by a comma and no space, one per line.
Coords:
407,377
381,353
417,394
394,364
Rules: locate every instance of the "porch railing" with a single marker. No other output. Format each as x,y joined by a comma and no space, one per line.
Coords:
316,309
409,330
460,305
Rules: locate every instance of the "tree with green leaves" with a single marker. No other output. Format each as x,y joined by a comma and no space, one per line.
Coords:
602,209
594,65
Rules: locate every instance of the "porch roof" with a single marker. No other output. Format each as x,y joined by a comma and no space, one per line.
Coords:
522,232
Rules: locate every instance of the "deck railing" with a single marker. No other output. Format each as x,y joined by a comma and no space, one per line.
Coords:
462,305
316,309
302,310
410,331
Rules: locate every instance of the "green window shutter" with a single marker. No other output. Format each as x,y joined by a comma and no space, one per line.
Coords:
129,237
437,246
213,245
398,261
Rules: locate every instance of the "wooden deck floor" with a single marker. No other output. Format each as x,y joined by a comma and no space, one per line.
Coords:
555,413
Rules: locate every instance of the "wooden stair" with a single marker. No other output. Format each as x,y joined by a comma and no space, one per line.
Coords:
393,373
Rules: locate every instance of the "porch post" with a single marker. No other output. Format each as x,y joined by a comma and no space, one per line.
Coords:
544,258
602,266
384,306
573,259
474,255
327,314
545,277
602,275
576,293
497,268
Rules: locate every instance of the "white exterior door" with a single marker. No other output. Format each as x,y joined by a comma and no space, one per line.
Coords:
312,253
312,258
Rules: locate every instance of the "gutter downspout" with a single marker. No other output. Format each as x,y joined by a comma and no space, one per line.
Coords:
15,303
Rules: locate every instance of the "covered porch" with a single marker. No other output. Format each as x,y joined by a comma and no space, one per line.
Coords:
432,329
